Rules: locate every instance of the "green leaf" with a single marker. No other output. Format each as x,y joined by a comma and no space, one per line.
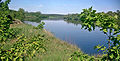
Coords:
111,56
118,37
118,57
105,30
111,49
20,59
98,23
2,58
89,26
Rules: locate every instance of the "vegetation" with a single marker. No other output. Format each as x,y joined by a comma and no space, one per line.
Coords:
78,56
28,43
75,18
41,26
90,19
34,16
23,15
22,47
5,21
54,16
55,49
22,42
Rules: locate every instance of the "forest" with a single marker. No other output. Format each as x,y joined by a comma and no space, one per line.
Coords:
23,42
75,18
23,15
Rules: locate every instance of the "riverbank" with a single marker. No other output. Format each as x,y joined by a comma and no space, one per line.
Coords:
56,50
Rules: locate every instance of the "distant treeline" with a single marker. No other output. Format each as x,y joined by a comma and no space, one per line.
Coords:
54,16
75,18
23,15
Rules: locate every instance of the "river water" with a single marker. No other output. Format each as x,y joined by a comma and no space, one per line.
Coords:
73,34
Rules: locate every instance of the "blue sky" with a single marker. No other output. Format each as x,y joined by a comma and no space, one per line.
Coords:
64,6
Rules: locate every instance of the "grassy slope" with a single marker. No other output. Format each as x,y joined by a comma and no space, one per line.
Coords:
57,50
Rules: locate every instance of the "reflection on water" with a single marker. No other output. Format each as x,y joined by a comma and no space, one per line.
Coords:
73,34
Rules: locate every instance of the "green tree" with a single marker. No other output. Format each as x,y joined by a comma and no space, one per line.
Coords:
21,14
91,19
23,47
5,21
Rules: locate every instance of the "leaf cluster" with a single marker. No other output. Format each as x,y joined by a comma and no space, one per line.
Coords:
23,48
79,56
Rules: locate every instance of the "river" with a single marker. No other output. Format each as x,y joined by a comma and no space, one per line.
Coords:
73,34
